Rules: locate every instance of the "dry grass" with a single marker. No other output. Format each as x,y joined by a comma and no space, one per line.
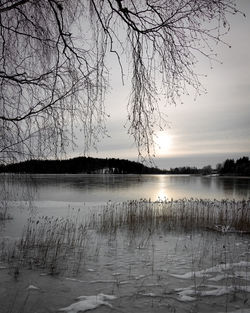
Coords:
61,244
4,216
56,244
187,214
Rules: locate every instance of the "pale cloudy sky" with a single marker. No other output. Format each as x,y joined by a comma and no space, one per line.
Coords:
206,131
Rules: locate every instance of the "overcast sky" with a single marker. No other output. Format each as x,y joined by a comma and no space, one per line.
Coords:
206,131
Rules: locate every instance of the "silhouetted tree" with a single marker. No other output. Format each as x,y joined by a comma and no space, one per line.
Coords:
53,71
242,166
184,170
206,170
218,167
228,166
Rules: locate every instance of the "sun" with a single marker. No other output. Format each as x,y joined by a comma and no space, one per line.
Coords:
163,143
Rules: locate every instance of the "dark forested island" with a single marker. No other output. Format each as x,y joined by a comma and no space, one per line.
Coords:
86,165
89,165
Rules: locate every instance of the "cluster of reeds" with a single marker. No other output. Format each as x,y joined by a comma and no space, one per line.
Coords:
223,215
56,244
60,244
4,216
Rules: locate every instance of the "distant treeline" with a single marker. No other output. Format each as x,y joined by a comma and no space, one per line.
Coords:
88,165
80,165
206,170
239,167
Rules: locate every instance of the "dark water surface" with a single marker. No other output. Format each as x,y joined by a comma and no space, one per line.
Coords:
102,188
57,195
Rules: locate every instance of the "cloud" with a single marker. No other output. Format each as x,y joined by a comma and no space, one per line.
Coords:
216,124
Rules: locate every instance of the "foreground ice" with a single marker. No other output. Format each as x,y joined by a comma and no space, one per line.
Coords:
88,303
237,274
221,272
189,293
209,271
32,287
239,311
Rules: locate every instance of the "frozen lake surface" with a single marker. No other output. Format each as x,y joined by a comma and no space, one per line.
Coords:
166,272
56,195
102,188
125,270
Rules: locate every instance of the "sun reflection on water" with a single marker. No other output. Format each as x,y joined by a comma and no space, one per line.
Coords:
162,195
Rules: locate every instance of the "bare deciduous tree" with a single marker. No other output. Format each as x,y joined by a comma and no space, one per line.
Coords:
52,68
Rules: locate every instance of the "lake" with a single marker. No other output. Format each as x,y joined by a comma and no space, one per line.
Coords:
102,188
140,269
56,195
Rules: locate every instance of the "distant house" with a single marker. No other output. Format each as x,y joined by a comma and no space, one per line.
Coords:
105,170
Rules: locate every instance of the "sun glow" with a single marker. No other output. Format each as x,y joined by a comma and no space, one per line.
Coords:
163,143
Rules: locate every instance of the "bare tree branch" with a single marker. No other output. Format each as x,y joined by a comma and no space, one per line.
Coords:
12,6
53,76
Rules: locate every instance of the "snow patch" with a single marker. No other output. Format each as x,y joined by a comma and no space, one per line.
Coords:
239,311
100,281
190,293
88,303
140,277
237,274
92,281
148,294
116,274
209,271
32,287
124,282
